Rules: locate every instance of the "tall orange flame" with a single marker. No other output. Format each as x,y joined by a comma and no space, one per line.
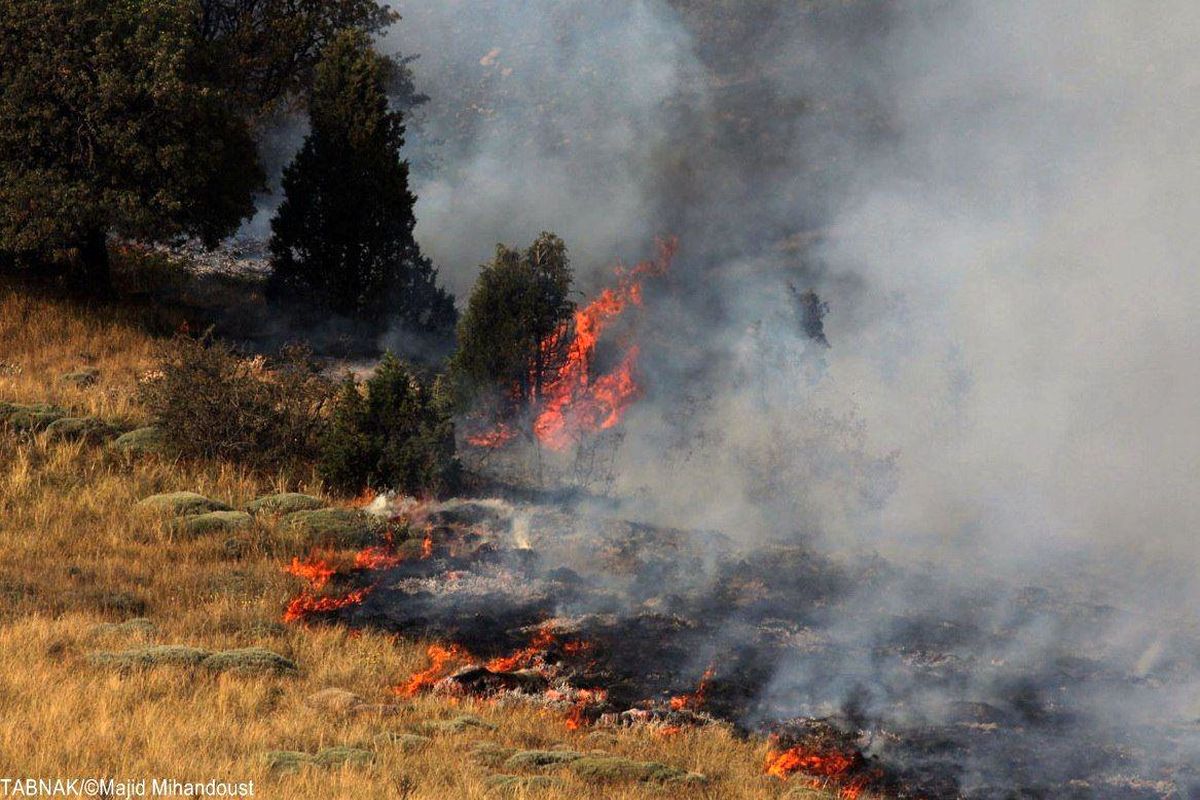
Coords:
574,401
315,569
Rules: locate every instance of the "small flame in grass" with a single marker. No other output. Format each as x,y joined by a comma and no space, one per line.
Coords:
694,700
365,499
307,604
577,717
373,558
427,546
441,658
821,768
542,640
315,569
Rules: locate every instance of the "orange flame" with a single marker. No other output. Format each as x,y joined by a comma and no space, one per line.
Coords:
573,400
577,718
373,558
822,767
315,569
525,656
499,436
695,699
427,546
440,658
306,604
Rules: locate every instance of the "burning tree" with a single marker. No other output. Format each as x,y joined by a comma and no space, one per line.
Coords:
507,344
510,339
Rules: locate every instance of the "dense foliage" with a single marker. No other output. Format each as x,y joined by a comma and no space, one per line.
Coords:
392,433
107,126
212,402
509,337
265,52
343,238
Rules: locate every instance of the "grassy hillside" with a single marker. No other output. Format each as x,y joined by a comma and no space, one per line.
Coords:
77,558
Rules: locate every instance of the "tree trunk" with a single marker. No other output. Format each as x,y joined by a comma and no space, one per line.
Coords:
89,268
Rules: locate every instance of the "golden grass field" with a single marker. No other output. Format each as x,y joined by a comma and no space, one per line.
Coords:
74,554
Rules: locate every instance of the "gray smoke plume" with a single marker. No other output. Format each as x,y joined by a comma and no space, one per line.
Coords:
996,201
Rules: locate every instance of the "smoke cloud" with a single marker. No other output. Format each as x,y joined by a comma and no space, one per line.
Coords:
996,201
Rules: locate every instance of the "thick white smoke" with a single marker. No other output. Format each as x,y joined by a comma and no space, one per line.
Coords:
546,115
1027,325
996,200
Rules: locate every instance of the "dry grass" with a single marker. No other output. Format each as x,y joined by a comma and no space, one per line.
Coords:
75,554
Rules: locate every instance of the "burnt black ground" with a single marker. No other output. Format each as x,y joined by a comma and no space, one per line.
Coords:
982,692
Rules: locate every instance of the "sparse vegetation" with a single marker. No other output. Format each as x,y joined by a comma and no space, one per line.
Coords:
211,402
83,570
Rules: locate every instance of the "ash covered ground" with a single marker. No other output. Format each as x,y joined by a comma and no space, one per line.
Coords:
985,690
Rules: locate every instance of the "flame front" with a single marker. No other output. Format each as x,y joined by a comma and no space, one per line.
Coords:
307,604
573,401
441,658
823,768
694,700
524,657
315,569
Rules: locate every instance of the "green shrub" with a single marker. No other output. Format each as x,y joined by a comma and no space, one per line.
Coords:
616,768
87,429
334,527
249,661
337,756
285,503
463,722
283,762
142,440
165,655
214,522
490,754
407,742
34,417
398,436
211,402
180,504
536,759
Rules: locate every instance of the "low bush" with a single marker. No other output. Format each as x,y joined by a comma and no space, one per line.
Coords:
335,527
616,768
249,661
536,759
213,522
212,402
392,433
286,503
406,742
180,504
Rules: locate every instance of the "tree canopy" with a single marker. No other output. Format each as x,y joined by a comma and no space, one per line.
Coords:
107,126
264,52
509,337
343,240
393,435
